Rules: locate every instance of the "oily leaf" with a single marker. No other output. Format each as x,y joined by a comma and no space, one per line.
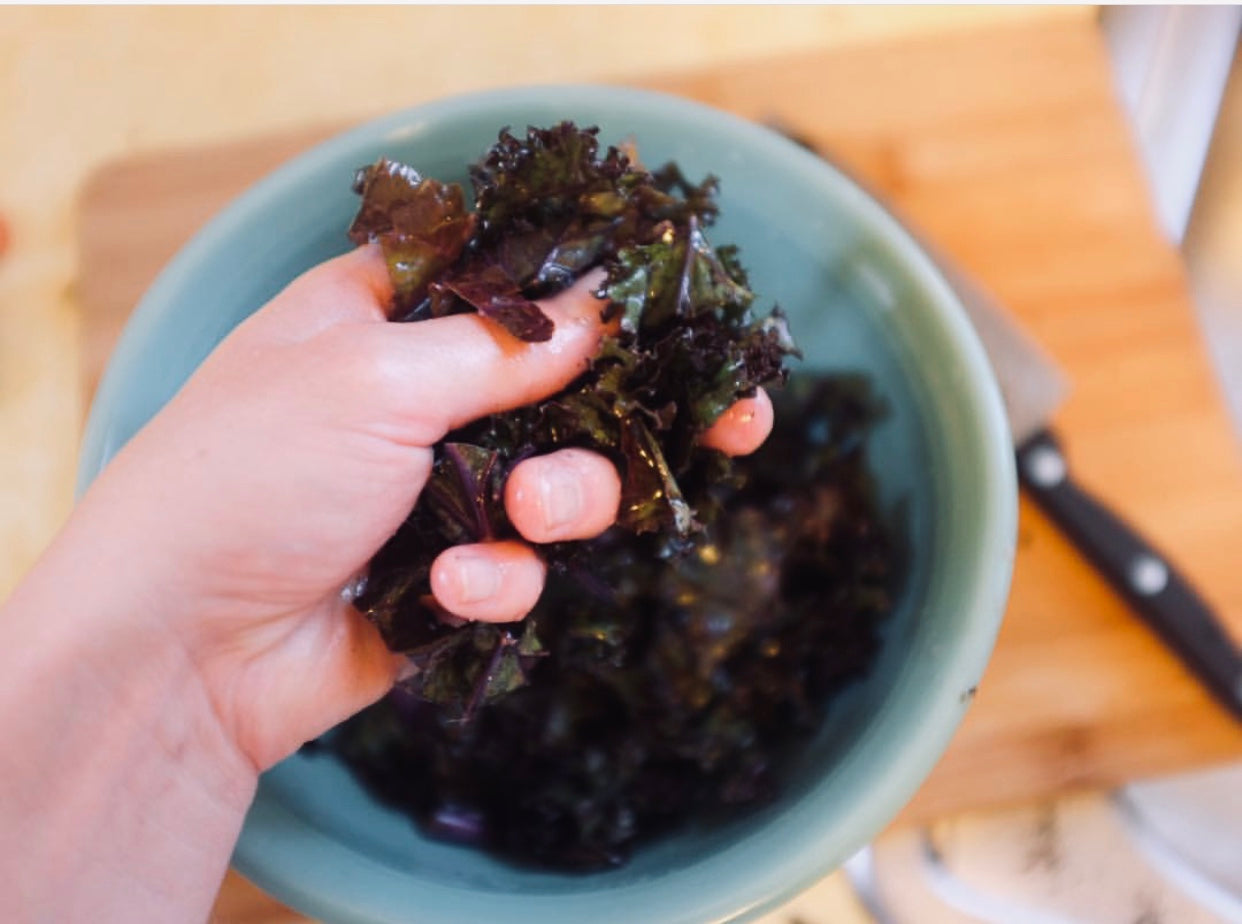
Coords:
495,295
576,250
462,671
548,172
681,277
582,418
650,497
385,187
754,359
463,493
422,226
644,280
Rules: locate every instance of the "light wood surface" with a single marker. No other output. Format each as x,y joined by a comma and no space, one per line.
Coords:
80,86
1007,148
83,85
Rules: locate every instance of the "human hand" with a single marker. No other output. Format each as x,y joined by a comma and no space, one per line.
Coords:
298,448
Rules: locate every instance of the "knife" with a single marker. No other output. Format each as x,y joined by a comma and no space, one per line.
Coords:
1032,387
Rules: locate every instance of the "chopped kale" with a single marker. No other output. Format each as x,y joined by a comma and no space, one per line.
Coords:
670,663
669,690
548,207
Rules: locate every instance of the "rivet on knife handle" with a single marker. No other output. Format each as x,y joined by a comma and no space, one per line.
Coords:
1150,584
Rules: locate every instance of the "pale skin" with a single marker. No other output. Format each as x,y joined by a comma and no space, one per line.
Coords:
186,630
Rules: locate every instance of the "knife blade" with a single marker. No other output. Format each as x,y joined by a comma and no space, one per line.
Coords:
1032,387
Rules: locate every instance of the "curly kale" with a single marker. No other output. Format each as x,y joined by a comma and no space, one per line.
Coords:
548,207
671,662
672,689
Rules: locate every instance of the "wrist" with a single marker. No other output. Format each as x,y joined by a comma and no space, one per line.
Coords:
104,613
125,786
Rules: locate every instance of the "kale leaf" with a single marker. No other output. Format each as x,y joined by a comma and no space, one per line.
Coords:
421,225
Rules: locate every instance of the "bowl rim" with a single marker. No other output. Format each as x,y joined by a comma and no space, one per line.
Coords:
265,851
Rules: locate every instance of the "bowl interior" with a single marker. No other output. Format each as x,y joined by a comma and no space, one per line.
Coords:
860,297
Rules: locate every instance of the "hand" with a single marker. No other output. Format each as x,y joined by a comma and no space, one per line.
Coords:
297,449
186,629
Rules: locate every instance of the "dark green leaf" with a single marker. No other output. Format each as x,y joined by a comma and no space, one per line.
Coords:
550,173
650,498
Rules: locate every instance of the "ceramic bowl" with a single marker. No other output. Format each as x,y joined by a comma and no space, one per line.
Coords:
861,296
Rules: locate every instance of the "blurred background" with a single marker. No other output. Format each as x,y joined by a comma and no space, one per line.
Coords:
1084,164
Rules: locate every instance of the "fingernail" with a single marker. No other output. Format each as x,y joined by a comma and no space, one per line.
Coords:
478,578
560,495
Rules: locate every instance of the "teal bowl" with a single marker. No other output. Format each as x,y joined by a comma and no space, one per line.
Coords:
861,296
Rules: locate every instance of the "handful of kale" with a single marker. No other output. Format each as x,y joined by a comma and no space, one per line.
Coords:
547,208
672,662
678,693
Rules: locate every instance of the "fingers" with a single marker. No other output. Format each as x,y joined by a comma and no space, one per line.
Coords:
741,429
352,668
574,493
364,674
565,495
499,371
490,581
569,494
467,367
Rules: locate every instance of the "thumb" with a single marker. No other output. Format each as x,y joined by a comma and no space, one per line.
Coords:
449,371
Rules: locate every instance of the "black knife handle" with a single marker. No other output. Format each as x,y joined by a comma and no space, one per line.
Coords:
1148,581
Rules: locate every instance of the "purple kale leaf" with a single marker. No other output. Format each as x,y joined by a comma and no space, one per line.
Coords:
464,493
494,294
422,226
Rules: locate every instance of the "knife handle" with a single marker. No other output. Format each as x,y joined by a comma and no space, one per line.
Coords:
1145,578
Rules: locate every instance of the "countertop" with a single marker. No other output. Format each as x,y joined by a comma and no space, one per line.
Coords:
81,86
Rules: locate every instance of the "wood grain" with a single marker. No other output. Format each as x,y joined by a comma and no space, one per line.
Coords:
1007,148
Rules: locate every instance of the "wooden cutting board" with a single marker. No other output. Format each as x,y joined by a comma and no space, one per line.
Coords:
1008,149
